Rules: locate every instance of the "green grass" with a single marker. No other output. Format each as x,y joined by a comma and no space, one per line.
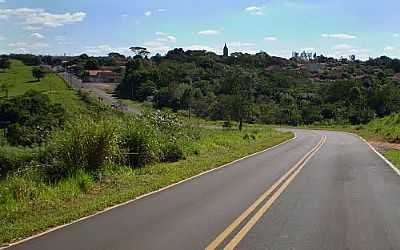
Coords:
28,206
21,80
394,157
135,105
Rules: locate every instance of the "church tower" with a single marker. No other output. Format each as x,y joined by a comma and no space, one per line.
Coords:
226,51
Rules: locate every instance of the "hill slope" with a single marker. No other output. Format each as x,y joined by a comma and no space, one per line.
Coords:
20,80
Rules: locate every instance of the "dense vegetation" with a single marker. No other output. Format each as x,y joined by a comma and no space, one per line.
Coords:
28,119
387,127
261,88
63,155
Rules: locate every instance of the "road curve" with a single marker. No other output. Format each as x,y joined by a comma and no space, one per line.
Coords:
333,194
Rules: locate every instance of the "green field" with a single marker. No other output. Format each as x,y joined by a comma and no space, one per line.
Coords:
20,79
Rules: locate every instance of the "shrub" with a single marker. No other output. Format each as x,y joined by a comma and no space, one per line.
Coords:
14,158
85,144
171,152
18,188
30,118
140,145
227,124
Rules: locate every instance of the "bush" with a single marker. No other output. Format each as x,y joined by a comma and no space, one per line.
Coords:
85,144
29,118
227,124
140,145
14,158
18,188
171,152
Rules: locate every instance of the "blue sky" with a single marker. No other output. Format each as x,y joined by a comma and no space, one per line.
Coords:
336,27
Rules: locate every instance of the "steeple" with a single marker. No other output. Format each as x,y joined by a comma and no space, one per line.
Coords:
226,51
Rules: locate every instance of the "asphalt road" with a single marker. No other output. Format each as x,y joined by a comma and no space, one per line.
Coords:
340,196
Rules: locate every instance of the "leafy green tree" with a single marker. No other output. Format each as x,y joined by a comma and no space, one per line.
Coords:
146,89
4,63
30,118
37,73
242,91
91,64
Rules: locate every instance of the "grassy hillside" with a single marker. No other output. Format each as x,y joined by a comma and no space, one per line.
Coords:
387,128
20,79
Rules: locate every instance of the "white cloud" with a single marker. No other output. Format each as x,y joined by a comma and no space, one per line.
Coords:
28,45
339,36
37,36
255,10
2,38
342,47
208,32
346,50
32,28
159,33
165,37
161,44
270,39
152,12
35,19
3,1
389,48
125,15
244,47
396,35
24,47
105,49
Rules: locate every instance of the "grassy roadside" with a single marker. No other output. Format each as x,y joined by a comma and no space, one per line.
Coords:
40,206
393,156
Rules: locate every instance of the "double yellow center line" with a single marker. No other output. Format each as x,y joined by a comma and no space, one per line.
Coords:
272,194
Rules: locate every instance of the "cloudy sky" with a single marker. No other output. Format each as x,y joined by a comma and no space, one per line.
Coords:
366,28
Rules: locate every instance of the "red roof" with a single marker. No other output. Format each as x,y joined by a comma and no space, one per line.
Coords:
97,72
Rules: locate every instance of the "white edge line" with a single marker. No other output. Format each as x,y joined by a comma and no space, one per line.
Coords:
143,196
395,169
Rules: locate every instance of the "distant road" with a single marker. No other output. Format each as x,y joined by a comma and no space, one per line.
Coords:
106,98
322,190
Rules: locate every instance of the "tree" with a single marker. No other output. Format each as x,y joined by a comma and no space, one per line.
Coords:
84,57
29,118
140,51
92,64
4,63
242,88
186,99
37,73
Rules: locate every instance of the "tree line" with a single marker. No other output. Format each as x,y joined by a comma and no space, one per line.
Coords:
262,88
